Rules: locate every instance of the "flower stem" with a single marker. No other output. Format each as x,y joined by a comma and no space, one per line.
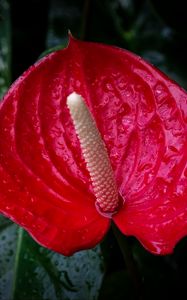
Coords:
130,262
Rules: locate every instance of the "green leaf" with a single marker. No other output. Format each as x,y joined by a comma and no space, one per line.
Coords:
29,271
51,50
8,237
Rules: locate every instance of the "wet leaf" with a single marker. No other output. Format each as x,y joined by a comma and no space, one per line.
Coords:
28,271
8,240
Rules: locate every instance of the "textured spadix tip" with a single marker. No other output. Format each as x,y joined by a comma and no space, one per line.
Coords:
74,100
95,155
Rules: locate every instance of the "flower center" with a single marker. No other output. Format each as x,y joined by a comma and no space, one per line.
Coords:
95,155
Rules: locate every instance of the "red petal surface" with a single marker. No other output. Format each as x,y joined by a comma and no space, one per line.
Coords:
142,117
44,185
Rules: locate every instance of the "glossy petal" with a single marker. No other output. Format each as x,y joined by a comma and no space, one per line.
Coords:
141,115
44,185
156,190
144,128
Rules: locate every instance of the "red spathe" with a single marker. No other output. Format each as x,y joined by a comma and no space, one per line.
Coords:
142,116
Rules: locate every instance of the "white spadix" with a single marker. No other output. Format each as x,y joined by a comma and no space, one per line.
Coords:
95,155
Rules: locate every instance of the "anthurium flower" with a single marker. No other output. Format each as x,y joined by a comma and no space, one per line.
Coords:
116,150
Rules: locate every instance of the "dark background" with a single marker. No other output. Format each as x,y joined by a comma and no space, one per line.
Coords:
156,30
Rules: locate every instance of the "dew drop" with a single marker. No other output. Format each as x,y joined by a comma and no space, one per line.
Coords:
158,91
